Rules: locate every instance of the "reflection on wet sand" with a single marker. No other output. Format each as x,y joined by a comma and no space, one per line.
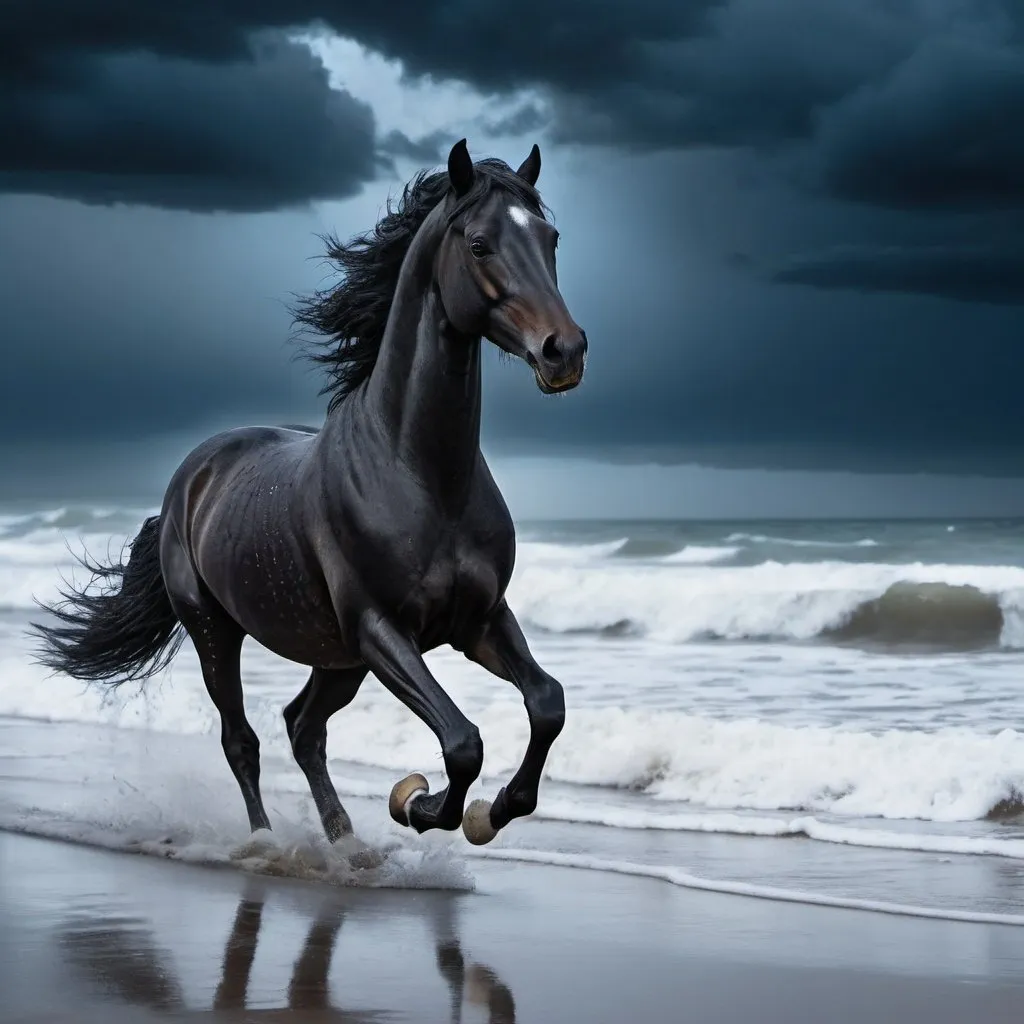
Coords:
119,954
122,957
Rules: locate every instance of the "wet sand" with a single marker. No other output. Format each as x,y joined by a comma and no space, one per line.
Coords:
91,935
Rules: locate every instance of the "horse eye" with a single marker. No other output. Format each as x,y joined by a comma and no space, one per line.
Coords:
478,247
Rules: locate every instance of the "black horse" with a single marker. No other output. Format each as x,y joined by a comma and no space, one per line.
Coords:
357,547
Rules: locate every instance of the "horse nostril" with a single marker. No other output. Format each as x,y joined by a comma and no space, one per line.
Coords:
549,350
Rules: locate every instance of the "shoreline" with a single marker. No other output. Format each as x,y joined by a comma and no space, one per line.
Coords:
88,934
110,788
674,877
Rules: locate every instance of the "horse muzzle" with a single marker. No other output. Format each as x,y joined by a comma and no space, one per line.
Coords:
560,364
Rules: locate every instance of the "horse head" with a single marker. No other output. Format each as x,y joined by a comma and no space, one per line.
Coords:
496,269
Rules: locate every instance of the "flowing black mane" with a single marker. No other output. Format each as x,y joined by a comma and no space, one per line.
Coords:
348,321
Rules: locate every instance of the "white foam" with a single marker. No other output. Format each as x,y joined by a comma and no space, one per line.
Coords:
945,775
568,554
941,775
698,554
808,826
760,538
268,854
684,879
193,816
8,520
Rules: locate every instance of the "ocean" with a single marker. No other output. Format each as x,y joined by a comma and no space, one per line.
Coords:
822,711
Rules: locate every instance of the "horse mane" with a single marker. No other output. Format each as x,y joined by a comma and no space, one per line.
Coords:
348,321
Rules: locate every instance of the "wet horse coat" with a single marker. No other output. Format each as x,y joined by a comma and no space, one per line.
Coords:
357,547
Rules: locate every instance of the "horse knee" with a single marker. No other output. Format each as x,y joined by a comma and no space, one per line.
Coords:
465,757
241,745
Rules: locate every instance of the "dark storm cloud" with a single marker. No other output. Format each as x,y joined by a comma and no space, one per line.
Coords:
259,130
941,131
871,81
192,105
975,274
252,133
892,103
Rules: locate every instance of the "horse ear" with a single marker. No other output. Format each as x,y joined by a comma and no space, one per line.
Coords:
460,168
529,169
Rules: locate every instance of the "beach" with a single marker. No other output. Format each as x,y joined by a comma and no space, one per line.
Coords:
91,935
789,788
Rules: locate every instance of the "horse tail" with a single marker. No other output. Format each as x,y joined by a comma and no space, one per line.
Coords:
127,630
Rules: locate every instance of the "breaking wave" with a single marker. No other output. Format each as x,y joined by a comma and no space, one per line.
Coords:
955,617
937,607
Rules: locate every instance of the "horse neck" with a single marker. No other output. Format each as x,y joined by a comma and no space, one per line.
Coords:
425,387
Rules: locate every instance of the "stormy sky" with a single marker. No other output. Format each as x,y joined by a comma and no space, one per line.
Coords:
794,232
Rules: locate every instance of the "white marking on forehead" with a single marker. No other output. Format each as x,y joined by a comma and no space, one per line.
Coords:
519,216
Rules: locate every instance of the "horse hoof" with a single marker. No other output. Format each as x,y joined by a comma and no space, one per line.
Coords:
403,794
476,823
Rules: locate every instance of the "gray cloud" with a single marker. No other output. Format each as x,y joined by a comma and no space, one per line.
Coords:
971,274
528,117
259,131
427,150
938,131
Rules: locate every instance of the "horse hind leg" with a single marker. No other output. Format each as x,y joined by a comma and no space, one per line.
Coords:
218,642
306,718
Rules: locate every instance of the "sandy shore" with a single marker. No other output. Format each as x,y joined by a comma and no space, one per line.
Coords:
90,935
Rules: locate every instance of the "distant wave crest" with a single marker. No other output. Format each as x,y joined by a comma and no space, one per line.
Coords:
760,538
690,597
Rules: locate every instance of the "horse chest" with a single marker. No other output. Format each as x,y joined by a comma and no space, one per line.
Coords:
458,588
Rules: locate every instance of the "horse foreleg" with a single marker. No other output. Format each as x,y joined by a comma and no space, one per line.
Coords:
503,650
306,720
396,662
